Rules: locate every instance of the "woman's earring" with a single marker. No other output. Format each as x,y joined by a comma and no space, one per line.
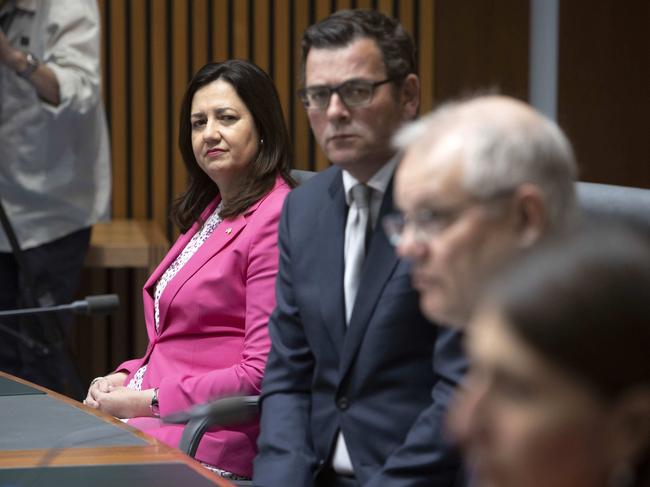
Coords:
261,141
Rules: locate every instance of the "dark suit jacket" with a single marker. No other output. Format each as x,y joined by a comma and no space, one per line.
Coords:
373,380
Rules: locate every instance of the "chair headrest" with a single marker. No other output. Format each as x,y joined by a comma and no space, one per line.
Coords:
301,175
617,203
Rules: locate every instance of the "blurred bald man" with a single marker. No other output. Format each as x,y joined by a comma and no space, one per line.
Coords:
479,180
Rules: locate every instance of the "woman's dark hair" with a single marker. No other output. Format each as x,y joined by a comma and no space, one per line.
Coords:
583,301
257,91
345,26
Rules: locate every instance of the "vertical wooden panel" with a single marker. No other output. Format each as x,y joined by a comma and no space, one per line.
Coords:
138,109
426,49
343,4
604,88
159,111
240,38
199,34
365,4
262,40
179,82
323,9
302,133
89,349
481,45
406,9
118,107
121,322
281,48
386,7
220,30
139,338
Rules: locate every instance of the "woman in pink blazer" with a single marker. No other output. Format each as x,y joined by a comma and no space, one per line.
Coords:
207,304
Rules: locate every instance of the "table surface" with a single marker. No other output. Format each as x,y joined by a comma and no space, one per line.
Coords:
29,442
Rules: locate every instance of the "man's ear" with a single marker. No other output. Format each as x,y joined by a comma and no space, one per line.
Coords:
410,97
531,214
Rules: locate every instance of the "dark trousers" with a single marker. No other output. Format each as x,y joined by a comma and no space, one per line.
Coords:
41,355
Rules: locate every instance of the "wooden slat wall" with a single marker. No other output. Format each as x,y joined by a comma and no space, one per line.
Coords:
603,88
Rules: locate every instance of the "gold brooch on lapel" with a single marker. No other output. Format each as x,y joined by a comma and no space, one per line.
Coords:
228,230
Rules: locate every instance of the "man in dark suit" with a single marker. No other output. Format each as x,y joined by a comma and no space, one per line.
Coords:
349,396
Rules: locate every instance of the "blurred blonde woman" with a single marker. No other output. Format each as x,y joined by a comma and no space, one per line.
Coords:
559,389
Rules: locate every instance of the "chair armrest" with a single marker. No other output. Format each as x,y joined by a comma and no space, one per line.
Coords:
192,434
227,411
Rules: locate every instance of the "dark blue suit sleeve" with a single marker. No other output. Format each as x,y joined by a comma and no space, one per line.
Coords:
426,458
286,455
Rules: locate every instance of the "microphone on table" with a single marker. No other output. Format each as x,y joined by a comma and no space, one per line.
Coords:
100,304
223,411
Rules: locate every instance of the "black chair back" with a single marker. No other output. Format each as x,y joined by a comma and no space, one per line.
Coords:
615,203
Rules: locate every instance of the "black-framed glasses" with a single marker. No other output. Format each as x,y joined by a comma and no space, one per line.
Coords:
427,223
354,93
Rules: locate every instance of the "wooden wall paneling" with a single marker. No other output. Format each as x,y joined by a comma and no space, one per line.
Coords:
241,31
323,9
199,31
364,4
604,88
281,45
385,7
117,102
261,41
181,63
138,111
481,46
138,340
220,30
343,4
426,49
121,323
160,125
89,346
406,11
302,139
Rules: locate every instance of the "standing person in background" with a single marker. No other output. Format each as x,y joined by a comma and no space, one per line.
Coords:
349,395
54,164
207,304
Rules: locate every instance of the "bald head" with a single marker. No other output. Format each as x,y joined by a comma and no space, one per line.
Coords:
479,180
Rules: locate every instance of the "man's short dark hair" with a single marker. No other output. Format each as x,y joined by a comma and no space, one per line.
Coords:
346,26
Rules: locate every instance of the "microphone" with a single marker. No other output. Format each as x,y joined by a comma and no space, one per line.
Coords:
224,411
92,305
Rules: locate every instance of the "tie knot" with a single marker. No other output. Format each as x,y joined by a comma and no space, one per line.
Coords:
361,195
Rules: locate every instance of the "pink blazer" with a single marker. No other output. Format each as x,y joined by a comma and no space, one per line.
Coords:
213,339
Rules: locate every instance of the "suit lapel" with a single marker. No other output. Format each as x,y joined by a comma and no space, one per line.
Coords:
225,233
377,269
331,232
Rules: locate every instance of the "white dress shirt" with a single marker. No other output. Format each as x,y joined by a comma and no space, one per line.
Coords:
341,462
